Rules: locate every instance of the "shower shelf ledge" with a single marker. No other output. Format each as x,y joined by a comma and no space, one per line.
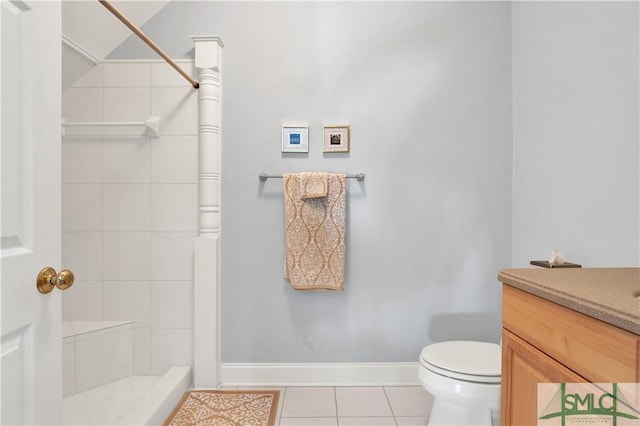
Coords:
151,126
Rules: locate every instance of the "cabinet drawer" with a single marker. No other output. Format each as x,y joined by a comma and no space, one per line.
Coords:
598,351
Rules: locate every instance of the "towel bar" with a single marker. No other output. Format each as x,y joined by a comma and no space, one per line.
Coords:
263,176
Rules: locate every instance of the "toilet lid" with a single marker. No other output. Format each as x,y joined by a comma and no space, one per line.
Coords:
476,361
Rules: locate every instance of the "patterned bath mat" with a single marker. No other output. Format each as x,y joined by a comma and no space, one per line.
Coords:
225,408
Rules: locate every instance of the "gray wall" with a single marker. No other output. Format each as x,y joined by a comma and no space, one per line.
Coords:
575,115
426,89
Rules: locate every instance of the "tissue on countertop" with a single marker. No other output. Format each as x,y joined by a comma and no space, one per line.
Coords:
556,258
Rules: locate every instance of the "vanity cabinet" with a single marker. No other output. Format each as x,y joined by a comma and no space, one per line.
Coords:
545,342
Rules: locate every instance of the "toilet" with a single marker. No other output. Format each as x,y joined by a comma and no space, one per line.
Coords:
464,378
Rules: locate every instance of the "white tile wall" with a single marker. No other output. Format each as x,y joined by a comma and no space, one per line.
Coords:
162,74
82,160
128,301
178,108
126,104
172,304
126,207
82,253
81,207
142,351
69,368
172,256
173,159
130,208
127,75
84,301
126,256
126,160
82,104
174,207
102,359
170,347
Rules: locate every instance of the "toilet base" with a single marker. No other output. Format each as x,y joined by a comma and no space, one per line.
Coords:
446,413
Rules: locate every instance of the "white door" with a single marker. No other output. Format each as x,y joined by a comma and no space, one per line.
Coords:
30,207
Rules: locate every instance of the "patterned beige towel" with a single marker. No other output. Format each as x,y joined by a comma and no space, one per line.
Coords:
314,184
315,231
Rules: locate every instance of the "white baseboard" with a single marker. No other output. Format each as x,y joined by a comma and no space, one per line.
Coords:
320,374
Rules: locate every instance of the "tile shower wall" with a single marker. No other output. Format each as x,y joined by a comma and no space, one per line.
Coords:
129,208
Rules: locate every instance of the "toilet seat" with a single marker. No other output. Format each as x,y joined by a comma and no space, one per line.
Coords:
477,362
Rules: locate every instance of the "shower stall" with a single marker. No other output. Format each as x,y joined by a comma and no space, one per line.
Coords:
140,231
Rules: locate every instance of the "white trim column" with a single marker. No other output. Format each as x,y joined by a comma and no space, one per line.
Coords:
206,327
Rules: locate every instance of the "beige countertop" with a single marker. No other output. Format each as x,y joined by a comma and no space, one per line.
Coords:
608,294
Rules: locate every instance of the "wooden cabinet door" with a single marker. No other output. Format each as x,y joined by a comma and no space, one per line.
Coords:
523,367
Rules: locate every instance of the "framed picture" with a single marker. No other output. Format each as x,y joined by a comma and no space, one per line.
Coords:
295,138
336,138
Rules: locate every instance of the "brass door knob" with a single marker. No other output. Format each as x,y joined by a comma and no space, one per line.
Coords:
48,279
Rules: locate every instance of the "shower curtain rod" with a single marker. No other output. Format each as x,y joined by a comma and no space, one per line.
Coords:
111,8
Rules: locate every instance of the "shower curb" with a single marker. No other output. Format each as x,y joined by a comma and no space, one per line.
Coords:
157,405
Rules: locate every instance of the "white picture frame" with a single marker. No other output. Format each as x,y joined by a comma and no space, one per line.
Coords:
295,138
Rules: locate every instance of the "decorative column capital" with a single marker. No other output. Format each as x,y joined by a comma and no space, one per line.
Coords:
207,51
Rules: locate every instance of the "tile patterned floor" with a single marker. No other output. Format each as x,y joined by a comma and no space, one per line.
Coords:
298,406
353,406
